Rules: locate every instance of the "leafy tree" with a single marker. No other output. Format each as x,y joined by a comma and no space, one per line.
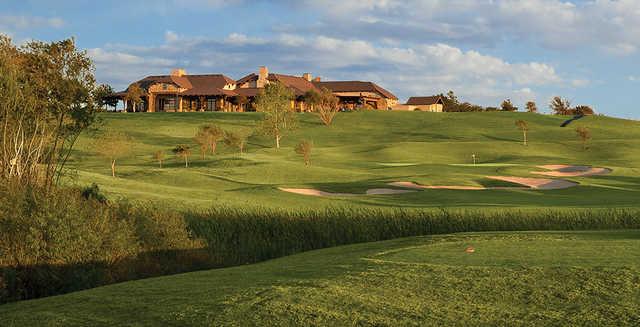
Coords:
202,139
183,151
236,140
275,103
113,145
103,95
583,110
524,127
324,103
560,106
214,134
159,156
304,149
134,95
46,102
312,98
531,106
585,135
508,106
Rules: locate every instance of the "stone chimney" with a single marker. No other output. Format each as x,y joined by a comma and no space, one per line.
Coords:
307,76
317,79
178,72
263,74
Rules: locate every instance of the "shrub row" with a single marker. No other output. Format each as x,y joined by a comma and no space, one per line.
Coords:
62,242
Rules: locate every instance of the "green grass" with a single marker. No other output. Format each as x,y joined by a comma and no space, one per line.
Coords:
364,150
515,278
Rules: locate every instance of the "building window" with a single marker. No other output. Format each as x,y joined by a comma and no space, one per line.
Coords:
211,104
169,104
165,86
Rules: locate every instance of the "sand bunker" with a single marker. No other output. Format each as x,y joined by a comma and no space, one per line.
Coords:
528,183
315,192
446,187
571,171
536,183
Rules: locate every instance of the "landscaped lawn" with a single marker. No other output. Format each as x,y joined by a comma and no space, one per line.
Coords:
516,278
365,150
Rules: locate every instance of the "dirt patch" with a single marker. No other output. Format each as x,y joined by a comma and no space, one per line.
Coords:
316,192
571,171
537,183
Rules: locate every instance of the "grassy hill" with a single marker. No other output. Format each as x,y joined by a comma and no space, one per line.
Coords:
532,278
365,150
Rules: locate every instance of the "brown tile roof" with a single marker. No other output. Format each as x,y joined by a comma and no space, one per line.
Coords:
298,85
248,91
355,86
416,101
211,84
247,78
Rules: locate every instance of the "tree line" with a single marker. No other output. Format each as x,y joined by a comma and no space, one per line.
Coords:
558,105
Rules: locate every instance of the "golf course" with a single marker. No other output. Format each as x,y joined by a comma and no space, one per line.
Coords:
368,150
401,218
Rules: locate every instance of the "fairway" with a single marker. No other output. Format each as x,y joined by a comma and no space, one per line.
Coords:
517,278
368,150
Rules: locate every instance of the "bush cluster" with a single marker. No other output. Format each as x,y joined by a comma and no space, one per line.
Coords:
67,240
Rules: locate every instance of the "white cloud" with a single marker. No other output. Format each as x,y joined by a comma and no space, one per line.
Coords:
170,36
632,78
12,22
580,82
608,25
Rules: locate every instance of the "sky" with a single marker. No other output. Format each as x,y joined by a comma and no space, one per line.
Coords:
484,50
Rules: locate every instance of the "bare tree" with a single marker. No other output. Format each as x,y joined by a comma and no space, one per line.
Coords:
524,127
585,135
531,106
275,103
183,151
304,149
112,145
560,106
159,157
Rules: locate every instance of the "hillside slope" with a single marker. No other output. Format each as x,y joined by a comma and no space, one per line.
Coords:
364,150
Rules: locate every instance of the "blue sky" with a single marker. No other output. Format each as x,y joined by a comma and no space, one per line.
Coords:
485,51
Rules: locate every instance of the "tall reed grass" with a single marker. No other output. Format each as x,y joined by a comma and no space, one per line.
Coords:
63,242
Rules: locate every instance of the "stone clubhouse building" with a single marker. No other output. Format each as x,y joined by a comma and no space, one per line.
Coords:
180,92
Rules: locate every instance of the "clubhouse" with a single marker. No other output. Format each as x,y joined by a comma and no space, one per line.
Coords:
180,92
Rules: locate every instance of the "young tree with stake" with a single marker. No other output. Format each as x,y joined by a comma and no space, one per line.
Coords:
159,157
585,135
304,149
524,127
113,146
